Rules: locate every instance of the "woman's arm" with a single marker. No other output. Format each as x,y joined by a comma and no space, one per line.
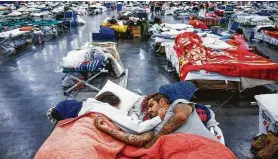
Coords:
130,139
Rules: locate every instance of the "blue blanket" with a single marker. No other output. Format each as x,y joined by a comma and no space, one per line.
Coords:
179,90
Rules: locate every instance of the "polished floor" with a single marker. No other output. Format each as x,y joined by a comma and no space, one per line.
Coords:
29,86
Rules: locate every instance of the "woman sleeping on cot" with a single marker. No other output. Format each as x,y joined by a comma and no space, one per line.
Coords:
106,104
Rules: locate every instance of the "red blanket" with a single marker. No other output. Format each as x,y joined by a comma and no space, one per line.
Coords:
198,24
240,62
79,138
180,146
273,34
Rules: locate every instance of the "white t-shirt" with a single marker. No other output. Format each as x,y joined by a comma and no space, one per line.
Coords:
202,13
129,124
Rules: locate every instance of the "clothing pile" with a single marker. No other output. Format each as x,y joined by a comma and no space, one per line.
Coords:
168,32
95,59
265,146
92,57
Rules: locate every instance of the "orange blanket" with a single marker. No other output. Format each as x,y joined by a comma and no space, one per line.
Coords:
181,146
74,139
273,34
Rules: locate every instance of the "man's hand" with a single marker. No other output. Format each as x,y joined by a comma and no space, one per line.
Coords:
162,112
134,140
101,124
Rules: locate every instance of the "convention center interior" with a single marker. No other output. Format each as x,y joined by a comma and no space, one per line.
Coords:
139,79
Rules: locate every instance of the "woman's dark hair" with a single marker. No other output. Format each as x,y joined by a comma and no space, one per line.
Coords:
239,31
157,20
108,97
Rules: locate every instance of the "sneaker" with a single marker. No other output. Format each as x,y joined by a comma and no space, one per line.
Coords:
49,115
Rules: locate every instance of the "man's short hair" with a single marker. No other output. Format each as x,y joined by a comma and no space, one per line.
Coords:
108,97
158,96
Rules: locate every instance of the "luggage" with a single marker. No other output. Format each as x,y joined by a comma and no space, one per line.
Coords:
105,34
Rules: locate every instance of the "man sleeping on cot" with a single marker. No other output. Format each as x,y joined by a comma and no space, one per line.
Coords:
180,117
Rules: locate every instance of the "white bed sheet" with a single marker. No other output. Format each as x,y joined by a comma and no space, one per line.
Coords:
13,33
159,40
178,26
206,75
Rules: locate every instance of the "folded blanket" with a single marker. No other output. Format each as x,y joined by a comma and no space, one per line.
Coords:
90,65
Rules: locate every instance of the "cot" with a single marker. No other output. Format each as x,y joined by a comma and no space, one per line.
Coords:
10,38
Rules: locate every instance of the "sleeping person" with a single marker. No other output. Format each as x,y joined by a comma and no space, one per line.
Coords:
181,117
106,104
119,117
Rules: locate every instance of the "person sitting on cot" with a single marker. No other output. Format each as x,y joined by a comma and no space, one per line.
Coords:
239,35
106,103
181,117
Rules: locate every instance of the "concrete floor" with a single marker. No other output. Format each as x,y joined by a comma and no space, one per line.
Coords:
30,86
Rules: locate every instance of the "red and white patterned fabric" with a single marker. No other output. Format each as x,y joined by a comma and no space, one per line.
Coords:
193,56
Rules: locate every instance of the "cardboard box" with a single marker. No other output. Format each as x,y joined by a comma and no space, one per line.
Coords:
136,32
268,112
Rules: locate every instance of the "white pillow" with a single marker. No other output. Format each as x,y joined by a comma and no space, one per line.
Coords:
127,97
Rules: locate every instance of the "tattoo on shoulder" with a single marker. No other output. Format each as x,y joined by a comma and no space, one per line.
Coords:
184,107
176,122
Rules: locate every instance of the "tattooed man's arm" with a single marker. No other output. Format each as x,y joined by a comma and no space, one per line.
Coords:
134,140
181,114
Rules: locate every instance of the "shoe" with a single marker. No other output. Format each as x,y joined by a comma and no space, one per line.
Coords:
270,149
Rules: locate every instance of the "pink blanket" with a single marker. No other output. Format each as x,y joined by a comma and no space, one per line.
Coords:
79,138
76,139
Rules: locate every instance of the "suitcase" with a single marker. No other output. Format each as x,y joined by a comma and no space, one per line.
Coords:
105,34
